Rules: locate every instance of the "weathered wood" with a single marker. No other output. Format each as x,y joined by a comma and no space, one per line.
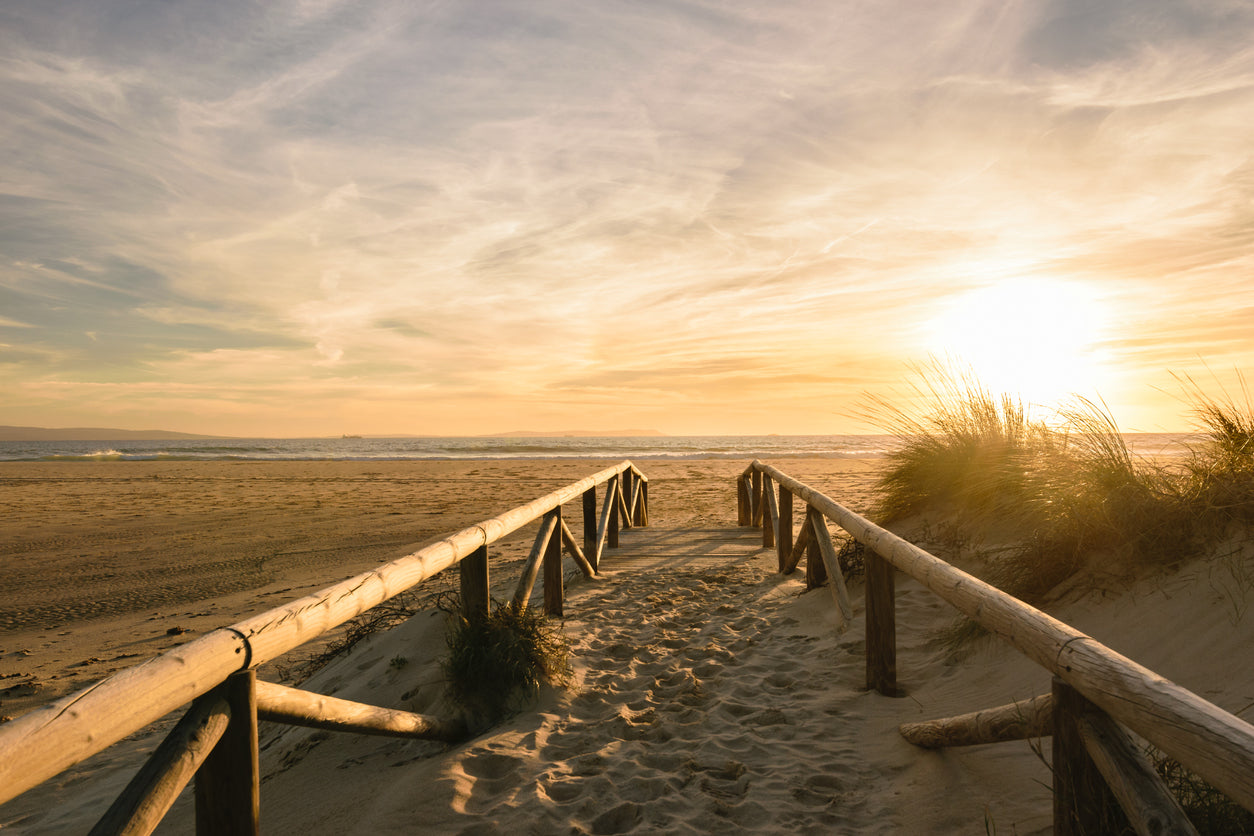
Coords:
603,528
624,514
613,495
554,583
144,802
590,527
799,549
758,504
770,519
576,553
633,505
53,737
228,783
840,593
881,626
531,569
816,571
1204,738
473,575
1150,807
1017,721
744,501
783,540
644,503
1081,796
280,704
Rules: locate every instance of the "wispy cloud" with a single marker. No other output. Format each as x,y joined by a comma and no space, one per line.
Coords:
427,211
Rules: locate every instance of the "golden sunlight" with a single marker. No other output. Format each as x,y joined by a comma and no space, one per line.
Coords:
1036,338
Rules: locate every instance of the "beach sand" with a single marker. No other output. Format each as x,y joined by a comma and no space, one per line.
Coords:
714,696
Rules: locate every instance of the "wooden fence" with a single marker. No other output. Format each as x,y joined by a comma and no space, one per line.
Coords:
1097,693
215,742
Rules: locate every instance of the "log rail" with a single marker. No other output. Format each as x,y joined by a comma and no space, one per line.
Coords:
215,743
1097,692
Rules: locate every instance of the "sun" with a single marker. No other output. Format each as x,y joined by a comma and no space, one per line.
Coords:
1039,339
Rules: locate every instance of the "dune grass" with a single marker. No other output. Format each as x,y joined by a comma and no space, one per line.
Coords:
495,661
1062,495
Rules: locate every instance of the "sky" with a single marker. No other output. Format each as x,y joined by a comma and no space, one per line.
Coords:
315,217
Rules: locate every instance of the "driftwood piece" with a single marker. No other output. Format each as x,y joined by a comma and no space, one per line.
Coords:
280,704
141,806
828,551
1150,807
1016,721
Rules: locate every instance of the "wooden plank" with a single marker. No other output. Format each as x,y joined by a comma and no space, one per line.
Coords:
473,575
1080,792
770,518
840,593
228,783
554,583
1204,738
531,569
1150,807
783,538
1017,721
280,704
590,549
149,795
881,626
576,553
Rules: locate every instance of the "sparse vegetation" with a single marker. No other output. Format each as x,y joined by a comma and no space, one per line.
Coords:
496,660
1065,495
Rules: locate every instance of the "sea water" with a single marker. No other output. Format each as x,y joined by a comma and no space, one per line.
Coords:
449,448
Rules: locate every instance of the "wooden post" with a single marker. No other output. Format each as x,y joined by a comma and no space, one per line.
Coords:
769,516
756,491
554,590
228,783
590,527
628,481
1081,798
644,503
836,579
783,540
473,571
141,806
816,572
744,513
881,626
611,498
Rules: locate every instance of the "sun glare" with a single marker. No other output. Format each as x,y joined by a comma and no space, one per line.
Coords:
1036,338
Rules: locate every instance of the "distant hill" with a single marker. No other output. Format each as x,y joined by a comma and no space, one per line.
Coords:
89,434
576,434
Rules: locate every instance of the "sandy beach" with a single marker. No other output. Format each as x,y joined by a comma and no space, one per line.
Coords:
710,697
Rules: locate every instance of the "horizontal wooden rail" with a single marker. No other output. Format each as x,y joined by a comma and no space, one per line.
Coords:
1203,737
54,737
280,704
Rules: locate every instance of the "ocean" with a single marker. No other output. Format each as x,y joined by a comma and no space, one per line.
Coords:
402,449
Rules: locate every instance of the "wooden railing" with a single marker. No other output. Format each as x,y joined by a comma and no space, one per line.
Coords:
1096,693
215,742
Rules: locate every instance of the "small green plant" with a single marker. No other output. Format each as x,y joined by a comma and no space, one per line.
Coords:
397,662
495,660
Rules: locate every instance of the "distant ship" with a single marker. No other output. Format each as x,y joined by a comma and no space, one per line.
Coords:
350,436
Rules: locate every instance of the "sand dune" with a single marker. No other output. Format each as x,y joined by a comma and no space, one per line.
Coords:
711,695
